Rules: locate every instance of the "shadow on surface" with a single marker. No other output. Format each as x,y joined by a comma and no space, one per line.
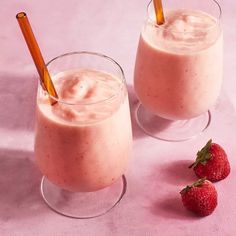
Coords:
20,186
178,173
172,207
17,99
173,172
169,179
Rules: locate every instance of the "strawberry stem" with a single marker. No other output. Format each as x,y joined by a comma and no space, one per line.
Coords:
203,155
198,183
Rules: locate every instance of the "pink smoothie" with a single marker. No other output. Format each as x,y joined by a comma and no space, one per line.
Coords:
178,71
84,147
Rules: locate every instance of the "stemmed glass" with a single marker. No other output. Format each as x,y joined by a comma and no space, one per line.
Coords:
82,148
178,69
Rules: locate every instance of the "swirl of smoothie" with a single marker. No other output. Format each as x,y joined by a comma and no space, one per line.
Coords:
85,87
83,142
178,70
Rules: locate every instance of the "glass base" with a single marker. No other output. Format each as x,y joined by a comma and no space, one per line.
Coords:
83,205
168,130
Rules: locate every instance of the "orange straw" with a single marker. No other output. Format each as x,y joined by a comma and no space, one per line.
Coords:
160,19
32,44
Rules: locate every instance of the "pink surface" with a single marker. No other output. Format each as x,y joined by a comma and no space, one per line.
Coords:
158,170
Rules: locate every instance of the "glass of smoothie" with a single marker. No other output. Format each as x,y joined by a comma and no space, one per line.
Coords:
178,69
83,141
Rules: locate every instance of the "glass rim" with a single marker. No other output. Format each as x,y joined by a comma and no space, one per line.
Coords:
115,63
218,18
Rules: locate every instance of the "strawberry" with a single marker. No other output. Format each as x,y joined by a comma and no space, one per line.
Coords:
200,197
211,162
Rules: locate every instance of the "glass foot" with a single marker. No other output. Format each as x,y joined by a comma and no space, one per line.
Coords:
168,130
83,205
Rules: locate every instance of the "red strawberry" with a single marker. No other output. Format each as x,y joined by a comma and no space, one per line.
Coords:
211,162
200,197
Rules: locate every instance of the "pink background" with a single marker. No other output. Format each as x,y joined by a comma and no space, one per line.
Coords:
157,171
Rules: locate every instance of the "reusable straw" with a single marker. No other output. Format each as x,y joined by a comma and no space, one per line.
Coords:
35,52
160,19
